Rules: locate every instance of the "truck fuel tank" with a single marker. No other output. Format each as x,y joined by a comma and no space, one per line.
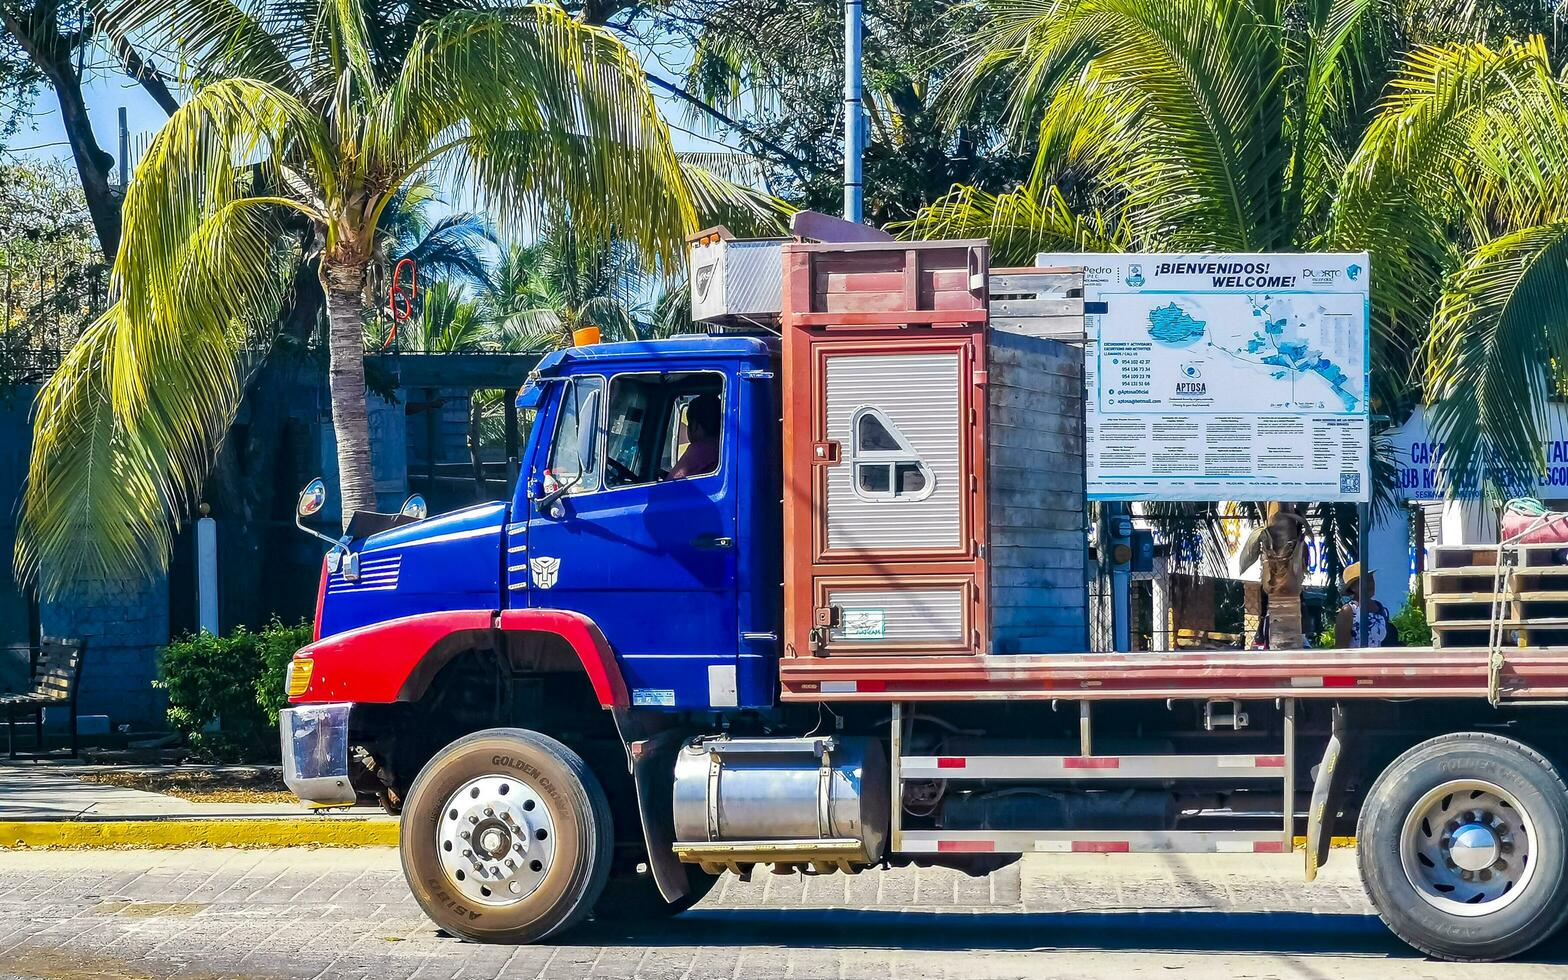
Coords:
820,801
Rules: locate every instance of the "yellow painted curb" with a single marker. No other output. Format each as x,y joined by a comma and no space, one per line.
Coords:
169,834
154,834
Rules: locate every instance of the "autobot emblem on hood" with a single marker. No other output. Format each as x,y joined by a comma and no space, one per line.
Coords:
545,571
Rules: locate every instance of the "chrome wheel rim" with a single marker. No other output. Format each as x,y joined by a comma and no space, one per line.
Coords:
496,840
1466,848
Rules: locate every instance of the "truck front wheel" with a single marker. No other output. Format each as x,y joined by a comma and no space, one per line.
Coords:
506,837
1461,847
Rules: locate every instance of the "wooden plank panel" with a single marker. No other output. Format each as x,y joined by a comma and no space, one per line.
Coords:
1038,307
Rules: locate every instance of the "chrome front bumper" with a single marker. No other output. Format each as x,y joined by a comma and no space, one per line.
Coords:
315,753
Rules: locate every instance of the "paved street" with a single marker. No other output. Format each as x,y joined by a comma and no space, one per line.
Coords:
345,913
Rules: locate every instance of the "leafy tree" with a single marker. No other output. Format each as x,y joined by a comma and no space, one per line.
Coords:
52,276
531,110
768,74
45,44
455,246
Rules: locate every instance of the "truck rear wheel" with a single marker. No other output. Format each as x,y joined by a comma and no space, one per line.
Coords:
1461,847
506,837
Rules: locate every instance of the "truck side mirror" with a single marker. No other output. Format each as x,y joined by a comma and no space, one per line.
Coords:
414,508
312,498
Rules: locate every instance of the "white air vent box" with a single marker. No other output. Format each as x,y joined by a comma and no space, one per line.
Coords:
735,279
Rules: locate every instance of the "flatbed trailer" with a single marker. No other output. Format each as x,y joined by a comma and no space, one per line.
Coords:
1524,675
819,603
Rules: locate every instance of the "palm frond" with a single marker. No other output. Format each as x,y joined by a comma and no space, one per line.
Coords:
728,189
92,505
542,115
1019,224
1502,320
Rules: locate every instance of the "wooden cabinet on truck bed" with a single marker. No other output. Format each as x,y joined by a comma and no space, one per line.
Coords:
934,499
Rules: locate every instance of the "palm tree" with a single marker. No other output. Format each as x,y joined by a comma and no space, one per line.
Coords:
530,110
1470,148
1179,125
454,247
539,294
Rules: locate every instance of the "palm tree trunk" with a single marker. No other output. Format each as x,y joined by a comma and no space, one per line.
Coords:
345,283
1285,621
1283,558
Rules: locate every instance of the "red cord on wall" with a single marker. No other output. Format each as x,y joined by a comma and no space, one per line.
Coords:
400,298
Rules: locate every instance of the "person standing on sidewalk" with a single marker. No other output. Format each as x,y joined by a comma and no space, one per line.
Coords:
1347,624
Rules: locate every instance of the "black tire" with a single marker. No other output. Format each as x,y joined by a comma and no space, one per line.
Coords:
636,897
1392,835
583,837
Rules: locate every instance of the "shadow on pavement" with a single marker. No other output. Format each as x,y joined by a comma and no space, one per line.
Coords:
1146,931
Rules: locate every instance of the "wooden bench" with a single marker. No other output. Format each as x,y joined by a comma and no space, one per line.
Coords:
56,673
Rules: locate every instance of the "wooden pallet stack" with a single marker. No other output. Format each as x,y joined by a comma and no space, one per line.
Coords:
1461,596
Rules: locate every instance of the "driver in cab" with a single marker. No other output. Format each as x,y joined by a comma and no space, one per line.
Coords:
702,432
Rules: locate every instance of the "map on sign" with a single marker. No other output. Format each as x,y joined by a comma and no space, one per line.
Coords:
1305,355
1225,377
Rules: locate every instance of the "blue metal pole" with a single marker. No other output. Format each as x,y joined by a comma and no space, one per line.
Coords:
854,117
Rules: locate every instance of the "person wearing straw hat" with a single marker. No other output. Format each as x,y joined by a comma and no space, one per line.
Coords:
1347,624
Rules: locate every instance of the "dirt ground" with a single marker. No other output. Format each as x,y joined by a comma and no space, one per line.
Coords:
202,784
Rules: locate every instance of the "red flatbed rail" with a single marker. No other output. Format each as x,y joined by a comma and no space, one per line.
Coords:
1527,674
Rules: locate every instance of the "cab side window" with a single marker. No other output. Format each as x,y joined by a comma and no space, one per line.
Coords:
663,427
565,466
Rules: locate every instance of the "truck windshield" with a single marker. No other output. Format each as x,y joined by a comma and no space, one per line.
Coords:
565,467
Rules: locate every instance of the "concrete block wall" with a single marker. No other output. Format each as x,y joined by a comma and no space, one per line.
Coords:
124,622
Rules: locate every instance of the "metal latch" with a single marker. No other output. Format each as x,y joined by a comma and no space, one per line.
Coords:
825,453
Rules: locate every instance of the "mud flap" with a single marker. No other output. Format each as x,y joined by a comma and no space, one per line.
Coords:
653,772
1327,792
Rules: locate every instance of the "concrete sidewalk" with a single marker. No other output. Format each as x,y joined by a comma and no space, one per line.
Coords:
55,791
49,805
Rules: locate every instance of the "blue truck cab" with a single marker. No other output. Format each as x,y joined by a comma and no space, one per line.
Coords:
648,503
667,535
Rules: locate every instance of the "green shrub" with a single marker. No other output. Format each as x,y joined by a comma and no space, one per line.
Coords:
1411,622
225,692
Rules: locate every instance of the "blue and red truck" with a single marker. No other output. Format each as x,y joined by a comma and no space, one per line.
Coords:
809,590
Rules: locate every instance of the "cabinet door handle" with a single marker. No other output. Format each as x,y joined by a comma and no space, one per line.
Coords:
712,542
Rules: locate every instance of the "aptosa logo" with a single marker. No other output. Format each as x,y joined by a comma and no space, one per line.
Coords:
1190,389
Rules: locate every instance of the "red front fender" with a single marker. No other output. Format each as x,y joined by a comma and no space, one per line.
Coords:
374,664
585,639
